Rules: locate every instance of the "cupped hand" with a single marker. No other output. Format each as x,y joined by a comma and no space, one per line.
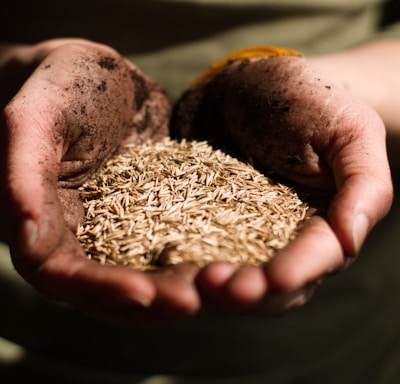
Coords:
287,118
74,102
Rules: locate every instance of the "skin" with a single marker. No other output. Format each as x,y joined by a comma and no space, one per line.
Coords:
46,155
76,102
295,122
378,62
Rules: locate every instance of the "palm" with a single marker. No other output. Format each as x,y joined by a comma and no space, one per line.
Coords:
282,114
72,113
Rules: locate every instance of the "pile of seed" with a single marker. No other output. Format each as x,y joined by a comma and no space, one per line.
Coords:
170,202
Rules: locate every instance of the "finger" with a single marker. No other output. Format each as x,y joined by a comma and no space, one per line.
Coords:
232,287
30,173
282,303
212,278
176,293
246,287
215,275
363,180
67,275
117,294
188,271
176,297
314,253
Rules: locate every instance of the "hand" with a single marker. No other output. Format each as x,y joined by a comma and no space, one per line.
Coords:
290,120
75,102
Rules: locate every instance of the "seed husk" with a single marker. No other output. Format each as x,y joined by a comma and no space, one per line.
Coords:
169,202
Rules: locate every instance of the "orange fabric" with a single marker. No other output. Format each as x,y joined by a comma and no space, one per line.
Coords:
245,53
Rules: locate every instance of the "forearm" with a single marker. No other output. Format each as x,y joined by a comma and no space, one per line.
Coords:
372,74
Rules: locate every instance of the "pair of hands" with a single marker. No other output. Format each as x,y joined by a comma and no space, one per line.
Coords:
67,106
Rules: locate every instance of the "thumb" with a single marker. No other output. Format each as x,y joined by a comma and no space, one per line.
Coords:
34,215
363,181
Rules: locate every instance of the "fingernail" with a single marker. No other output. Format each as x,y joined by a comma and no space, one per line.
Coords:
30,234
360,230
143,301
285,302
298,298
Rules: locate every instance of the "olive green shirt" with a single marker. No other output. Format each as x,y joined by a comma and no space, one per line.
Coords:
174,40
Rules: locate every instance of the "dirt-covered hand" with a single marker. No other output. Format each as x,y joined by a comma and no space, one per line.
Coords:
67,107
289,119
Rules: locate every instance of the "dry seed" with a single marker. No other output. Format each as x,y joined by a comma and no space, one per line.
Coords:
171,202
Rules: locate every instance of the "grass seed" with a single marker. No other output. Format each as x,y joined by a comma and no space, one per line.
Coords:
172,201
